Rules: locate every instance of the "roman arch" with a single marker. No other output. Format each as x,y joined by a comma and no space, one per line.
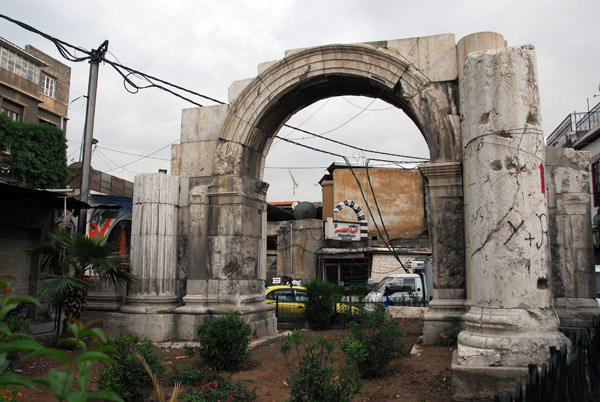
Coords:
477,106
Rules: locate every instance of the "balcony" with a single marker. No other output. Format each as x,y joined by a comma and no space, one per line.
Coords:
574,127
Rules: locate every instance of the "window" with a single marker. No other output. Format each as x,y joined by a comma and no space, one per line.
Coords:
12,110
48,85
596,183
11,114
19,65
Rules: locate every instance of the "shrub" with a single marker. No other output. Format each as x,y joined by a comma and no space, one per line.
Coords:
222,388
189,375
17,324
376,342
320,303
315,378
449,337
127,376
224,342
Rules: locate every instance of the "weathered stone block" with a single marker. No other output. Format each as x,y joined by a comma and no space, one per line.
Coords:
410,319
202,123
236,87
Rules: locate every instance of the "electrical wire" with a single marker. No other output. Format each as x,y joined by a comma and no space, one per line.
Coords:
355,147
143,157
362,193
367,107
133,154
154,82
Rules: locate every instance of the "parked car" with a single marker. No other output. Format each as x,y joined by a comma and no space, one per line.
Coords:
291,301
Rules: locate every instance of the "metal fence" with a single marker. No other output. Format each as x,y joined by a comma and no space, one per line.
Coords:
292,311
567,377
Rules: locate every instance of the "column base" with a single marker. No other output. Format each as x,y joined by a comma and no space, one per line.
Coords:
442,314
150,304
508,337
260,316
576,313
156,327
481,383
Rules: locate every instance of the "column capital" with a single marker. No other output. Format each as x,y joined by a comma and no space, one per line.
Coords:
444,178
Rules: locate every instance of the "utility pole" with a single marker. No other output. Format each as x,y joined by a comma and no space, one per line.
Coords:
90,111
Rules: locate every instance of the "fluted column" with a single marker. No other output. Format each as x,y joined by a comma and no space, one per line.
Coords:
154,244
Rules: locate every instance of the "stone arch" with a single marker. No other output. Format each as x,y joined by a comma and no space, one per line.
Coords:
306,76
375,70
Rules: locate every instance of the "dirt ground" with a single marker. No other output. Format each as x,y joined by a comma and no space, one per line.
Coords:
424,376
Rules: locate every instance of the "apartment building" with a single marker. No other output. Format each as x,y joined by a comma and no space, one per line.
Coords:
34,87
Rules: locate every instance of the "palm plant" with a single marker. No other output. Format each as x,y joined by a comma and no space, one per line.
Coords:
68,260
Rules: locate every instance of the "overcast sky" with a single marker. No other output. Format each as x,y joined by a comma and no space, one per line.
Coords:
207,45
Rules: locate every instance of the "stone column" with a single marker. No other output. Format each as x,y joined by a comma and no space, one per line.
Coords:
446,225
511,321
573,274
150,304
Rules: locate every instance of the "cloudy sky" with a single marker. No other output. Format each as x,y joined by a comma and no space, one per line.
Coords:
207,45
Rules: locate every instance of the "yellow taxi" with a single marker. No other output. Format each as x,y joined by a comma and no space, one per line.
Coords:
289,299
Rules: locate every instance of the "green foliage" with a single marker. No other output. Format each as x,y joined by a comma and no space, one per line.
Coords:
359,290
126,375
17,324
66,385
449,337
224,342
315,379
62,383
36,153
411,300
221,388
320,303
376,342
67,260
189,375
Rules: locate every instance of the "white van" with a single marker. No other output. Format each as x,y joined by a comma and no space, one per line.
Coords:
396,288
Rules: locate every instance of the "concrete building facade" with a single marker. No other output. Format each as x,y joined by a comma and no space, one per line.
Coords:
34,87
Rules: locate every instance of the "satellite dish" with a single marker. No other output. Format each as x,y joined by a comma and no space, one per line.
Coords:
305,210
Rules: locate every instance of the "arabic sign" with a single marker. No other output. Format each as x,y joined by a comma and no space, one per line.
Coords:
346,231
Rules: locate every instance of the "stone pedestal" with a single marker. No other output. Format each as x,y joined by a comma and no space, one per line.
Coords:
511,321
102,298
150,304
445,210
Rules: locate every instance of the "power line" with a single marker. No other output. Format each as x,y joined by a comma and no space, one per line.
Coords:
355,147
143,157
133,154
154,82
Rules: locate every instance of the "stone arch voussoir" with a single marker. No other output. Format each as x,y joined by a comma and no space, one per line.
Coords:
306,76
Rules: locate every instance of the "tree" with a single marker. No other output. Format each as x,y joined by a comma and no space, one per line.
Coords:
68,260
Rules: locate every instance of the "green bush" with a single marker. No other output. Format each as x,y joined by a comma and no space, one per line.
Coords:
17,324
376,342
315,378
222,388
320,303
38,153
224,342
189,375
127,376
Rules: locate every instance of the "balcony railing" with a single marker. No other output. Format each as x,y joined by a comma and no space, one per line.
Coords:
574,122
